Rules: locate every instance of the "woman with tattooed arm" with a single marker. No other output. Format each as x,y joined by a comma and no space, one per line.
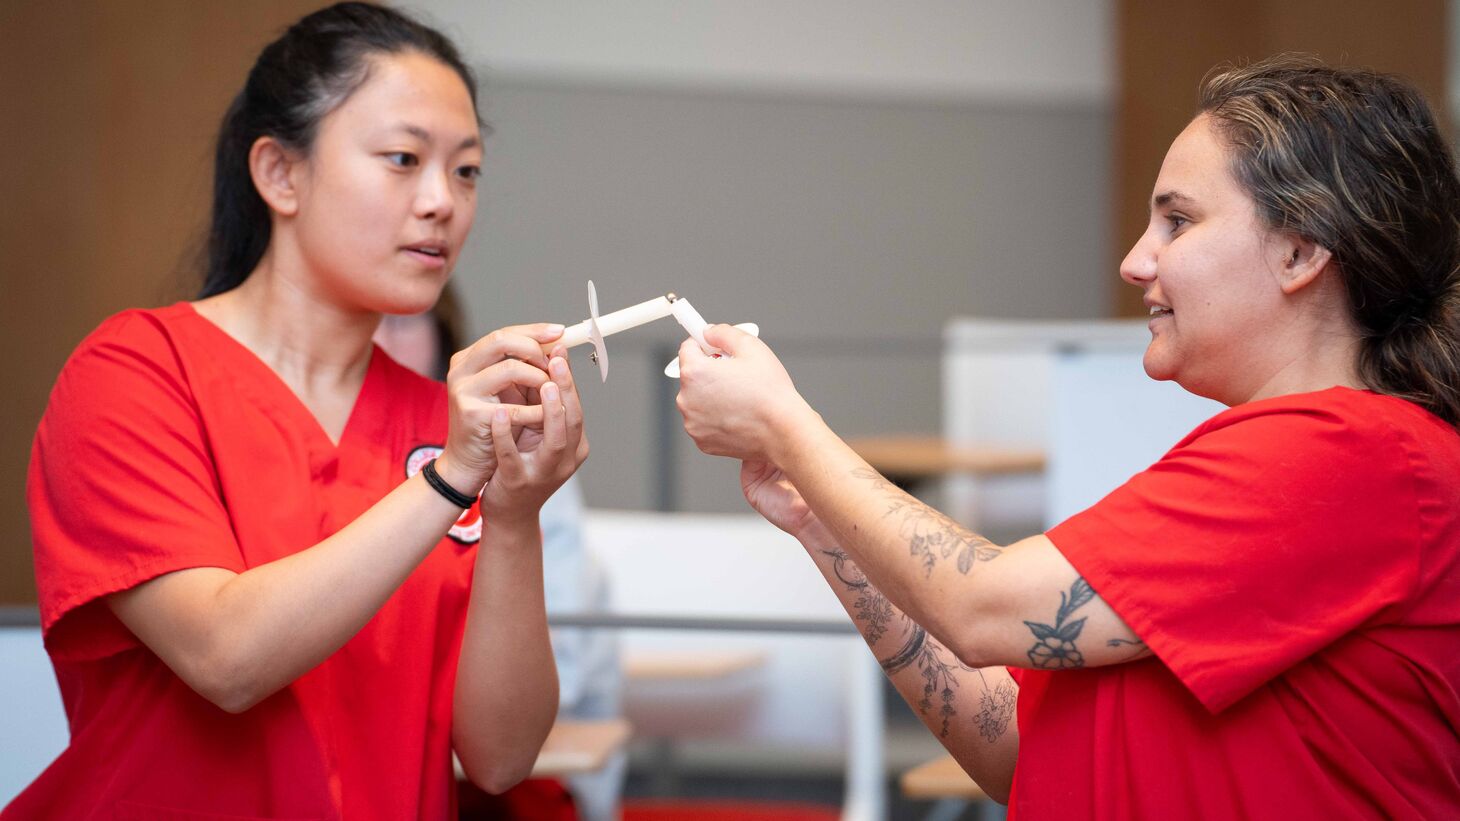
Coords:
1266,622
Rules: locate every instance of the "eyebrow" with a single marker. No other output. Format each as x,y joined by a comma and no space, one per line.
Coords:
425,136
1165,199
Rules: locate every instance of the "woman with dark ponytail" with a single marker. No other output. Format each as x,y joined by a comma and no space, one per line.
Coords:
280,575
1266,622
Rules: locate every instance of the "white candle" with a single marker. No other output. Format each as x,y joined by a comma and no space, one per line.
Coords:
609,324
693,323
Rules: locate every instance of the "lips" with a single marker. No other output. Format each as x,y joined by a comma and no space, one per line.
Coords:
430,252
435,249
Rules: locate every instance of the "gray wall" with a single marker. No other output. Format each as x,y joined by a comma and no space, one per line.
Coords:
850,229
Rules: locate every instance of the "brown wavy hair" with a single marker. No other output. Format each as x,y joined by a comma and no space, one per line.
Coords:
1353,160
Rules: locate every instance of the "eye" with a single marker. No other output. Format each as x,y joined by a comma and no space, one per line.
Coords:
1176,221
470,173
402,159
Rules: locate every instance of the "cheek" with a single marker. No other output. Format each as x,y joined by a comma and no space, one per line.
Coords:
360,195
461,222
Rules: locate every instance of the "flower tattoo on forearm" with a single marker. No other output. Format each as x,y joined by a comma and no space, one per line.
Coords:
931,536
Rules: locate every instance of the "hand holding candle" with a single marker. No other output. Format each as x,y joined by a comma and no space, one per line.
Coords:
744,405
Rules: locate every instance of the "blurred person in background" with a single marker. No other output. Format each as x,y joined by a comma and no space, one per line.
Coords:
1266,622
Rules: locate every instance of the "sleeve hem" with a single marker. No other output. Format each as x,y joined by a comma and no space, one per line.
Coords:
1086,559
53,613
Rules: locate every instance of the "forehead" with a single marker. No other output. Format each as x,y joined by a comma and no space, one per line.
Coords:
411,88
1198,166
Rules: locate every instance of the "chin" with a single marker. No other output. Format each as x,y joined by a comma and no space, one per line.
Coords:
1158,367
414,300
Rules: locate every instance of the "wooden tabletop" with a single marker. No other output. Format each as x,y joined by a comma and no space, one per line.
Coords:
574,747
917,456
656,665
937,779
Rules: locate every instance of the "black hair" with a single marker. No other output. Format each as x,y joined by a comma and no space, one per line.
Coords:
298,79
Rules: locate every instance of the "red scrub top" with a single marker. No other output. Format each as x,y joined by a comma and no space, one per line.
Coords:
1292,565
168,445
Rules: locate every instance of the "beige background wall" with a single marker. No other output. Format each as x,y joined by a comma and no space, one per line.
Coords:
107,114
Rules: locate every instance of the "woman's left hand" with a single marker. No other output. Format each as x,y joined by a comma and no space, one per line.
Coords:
742,405
538,462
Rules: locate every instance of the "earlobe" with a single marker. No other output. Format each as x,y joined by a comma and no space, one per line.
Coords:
271,166
1305,260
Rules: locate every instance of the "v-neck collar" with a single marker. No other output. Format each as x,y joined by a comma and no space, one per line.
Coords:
288,400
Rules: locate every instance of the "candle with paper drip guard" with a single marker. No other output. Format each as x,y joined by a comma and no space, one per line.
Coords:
595,327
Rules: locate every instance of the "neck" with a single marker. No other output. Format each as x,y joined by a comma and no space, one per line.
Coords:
309,341
1320,350
1334,366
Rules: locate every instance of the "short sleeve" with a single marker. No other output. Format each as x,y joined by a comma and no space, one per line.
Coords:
121,486
1263,537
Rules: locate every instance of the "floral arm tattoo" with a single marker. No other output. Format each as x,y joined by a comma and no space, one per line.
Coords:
942,675
1055,646
931,536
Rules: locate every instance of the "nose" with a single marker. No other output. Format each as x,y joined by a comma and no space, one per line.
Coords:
433,196
1139,266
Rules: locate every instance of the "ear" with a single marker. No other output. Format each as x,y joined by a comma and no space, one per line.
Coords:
274,169
1303,260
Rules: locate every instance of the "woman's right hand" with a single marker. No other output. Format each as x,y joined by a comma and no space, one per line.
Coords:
501,371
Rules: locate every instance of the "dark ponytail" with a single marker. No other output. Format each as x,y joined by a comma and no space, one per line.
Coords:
1352,159
296,81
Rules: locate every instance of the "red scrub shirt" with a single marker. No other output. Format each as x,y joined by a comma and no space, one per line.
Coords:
1292,565
168,445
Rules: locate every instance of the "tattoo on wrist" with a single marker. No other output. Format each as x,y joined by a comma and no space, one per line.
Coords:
1055,648
931,536
870,607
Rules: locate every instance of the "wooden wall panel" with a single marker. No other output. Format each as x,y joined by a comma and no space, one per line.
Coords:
1163,50
109,112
